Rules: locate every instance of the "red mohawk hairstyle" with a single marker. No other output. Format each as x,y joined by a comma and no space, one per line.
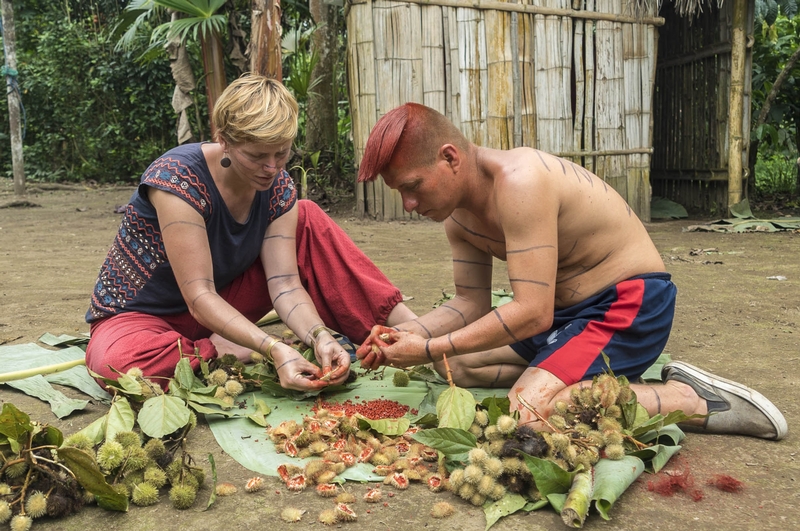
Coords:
408,136
382,142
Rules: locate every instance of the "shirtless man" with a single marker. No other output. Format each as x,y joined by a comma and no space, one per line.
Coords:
585,274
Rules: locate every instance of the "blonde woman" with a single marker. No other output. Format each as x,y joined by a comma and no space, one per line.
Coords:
214,238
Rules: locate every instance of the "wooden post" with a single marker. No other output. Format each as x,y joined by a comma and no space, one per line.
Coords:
736,100
265,39
9,49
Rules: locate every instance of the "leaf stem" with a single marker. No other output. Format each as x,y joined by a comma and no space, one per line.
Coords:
449,371
46,369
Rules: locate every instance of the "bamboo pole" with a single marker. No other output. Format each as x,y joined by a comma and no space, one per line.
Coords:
735,126
500,92
589,142
542,10
579,67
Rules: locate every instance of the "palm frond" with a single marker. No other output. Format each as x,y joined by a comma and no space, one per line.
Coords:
194,8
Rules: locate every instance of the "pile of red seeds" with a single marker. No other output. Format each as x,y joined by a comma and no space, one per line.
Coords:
377,409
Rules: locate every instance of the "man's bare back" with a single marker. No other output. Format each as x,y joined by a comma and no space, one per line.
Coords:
600,240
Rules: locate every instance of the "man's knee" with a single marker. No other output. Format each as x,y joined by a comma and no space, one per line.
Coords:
462,374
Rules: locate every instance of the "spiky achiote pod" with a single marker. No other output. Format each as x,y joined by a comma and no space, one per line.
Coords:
21,523
110,455
291,515
506,424
233,388
182,496
401,379
128,439
36,504
144,494
5,512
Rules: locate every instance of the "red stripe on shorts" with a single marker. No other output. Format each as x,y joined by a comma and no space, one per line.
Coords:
570,362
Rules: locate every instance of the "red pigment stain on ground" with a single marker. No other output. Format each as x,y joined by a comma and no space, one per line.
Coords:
726,483
671,483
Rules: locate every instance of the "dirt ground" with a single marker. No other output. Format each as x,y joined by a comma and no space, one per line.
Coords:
731,319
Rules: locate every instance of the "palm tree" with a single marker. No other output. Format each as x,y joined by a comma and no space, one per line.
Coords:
200,20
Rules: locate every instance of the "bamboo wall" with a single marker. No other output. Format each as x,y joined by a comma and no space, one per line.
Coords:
571,78
690,137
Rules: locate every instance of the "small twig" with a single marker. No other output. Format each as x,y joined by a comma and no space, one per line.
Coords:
450,372
538,415
44,469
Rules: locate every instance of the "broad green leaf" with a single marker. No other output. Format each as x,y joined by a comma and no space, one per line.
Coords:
659,422
629,412
184,375
425,374
668,435
455,408
612,478
656,456
119,418
261,406
535,506
495,407
428,404
213,497
556,500
205,399
388,427
205,410
49,435
95,431
38,387
449,441
163,414
641,418
129,385
14,424
508,504
89,476
548,476
259,419
427,420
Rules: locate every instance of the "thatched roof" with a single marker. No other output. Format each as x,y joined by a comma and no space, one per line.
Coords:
690,8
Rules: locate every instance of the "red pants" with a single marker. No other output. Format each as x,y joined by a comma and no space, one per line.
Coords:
349,292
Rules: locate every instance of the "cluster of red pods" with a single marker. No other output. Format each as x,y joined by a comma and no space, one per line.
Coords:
334,441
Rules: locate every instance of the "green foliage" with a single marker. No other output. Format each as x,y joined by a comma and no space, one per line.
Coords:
91,113
776,173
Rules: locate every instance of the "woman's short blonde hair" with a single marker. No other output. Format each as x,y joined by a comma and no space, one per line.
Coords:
255,109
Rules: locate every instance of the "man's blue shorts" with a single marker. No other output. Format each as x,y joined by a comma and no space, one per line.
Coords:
630,322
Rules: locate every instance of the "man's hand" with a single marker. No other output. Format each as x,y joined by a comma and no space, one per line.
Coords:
395,348
369,352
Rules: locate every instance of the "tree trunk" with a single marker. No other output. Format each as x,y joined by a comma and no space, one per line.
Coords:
214,70
265,39
184,85
14,103
736,102
322,125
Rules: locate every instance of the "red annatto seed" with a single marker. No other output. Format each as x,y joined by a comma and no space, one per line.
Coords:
386,504
379,408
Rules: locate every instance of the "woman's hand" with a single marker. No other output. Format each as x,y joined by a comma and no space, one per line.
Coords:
296,372
335,360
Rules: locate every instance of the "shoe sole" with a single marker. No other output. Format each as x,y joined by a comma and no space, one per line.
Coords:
742,391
